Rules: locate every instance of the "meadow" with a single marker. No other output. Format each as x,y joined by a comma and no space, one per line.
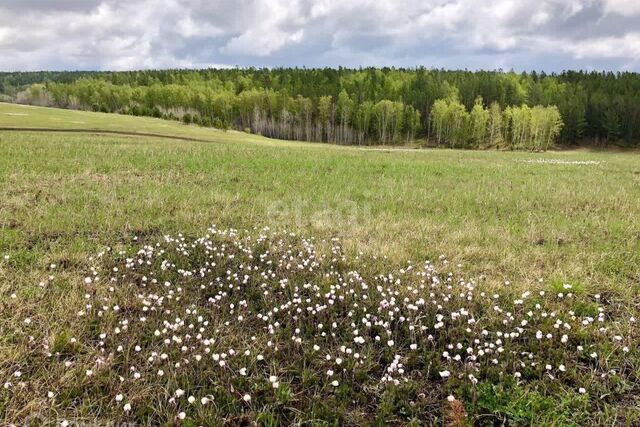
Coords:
555,234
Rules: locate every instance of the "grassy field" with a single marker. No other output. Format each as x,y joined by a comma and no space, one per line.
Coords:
15,115
563,217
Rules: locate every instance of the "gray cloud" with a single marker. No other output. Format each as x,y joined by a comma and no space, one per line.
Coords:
546,35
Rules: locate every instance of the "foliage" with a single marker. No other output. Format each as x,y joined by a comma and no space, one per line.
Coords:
343,105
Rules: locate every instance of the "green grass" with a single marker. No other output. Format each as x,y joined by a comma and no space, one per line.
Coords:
16,115
64,196
488,210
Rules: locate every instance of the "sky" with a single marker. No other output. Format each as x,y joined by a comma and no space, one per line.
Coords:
523,35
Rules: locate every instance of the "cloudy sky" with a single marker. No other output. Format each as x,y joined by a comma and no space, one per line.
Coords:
549,35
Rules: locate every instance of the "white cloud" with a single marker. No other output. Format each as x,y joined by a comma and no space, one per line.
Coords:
623,7
271,26
627,46
255,42
188,28
123,34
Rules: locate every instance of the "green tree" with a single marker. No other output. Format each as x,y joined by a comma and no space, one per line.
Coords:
479,121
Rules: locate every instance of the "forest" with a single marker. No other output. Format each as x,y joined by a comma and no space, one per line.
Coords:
459,109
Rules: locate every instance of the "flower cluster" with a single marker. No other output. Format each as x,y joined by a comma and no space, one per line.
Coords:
233,320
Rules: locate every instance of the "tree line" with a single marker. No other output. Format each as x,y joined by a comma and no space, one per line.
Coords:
364,106
517,127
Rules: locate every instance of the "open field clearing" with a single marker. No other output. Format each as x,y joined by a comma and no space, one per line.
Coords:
16,115
529,305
